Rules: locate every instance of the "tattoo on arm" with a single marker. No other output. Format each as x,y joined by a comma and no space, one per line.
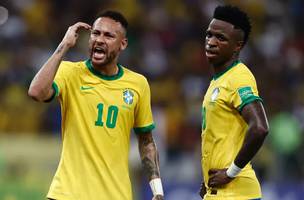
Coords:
59,49
150,169
149,155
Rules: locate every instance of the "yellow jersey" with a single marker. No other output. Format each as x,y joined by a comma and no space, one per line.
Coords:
224,130
98,113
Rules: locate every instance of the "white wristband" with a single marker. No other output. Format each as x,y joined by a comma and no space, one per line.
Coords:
233,170
156,187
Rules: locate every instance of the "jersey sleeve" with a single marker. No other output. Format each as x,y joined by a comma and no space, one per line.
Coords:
244,91
143,113
60,81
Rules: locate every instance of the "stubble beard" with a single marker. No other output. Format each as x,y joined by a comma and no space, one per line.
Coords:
108,59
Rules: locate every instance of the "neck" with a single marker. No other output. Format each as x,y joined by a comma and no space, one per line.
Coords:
218,68
109,69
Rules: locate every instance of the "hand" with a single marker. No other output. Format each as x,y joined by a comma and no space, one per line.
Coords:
71,35
158,197
203,190
218,177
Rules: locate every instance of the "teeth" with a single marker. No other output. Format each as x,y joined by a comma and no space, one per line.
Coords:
99,50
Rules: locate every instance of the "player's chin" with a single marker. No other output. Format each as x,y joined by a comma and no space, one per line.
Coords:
212,59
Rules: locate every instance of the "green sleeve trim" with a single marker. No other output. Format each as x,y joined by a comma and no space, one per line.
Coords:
248,101
145,129
56,92
56,88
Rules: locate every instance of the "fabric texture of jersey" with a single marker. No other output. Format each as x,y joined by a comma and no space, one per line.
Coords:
98,113
224,130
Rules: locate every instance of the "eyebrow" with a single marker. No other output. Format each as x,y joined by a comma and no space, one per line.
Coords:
215,32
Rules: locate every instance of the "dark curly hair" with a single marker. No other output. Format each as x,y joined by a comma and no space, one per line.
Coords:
235,16
116,16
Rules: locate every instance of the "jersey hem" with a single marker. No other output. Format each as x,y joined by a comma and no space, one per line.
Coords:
145,129
58,197
56,89
249,100
212,197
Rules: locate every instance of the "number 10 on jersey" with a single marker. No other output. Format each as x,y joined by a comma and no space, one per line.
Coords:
111,116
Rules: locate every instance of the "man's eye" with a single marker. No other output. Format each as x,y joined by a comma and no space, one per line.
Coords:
109,35
208,35
221,38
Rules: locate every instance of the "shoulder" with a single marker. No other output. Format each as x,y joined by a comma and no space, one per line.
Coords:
240,75
71,67
134,76
78,64
243,70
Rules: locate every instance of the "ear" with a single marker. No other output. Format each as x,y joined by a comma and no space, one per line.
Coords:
239,39
124,44
239,46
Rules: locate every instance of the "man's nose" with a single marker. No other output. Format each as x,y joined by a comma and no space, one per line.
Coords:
212,41
100,39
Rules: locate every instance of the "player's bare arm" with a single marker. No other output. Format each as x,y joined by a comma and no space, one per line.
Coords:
149,158
255,117
41,86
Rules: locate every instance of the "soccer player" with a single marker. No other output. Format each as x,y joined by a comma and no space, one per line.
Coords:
234,123
101,101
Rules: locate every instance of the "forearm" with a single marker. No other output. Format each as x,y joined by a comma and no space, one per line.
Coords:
255,116
41,86
149,158
252,143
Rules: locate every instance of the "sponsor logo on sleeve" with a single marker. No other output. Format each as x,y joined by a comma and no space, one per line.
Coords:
245,93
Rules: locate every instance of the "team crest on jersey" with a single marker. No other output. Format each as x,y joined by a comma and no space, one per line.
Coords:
215,94
128,96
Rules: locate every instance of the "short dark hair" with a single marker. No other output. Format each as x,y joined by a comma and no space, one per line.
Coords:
116,16
234,16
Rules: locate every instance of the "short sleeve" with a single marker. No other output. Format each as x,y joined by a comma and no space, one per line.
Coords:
60,80
244,91
143,113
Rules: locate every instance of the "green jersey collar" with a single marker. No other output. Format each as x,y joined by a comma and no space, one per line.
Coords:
216,76
102,76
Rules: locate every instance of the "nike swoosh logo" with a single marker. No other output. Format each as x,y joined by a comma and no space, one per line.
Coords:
86,87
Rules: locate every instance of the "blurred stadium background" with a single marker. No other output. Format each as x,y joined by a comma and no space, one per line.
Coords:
165,44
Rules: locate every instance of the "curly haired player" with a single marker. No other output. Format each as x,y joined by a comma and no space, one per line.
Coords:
234,123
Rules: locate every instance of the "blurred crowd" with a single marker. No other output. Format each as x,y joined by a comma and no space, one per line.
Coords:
166,44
